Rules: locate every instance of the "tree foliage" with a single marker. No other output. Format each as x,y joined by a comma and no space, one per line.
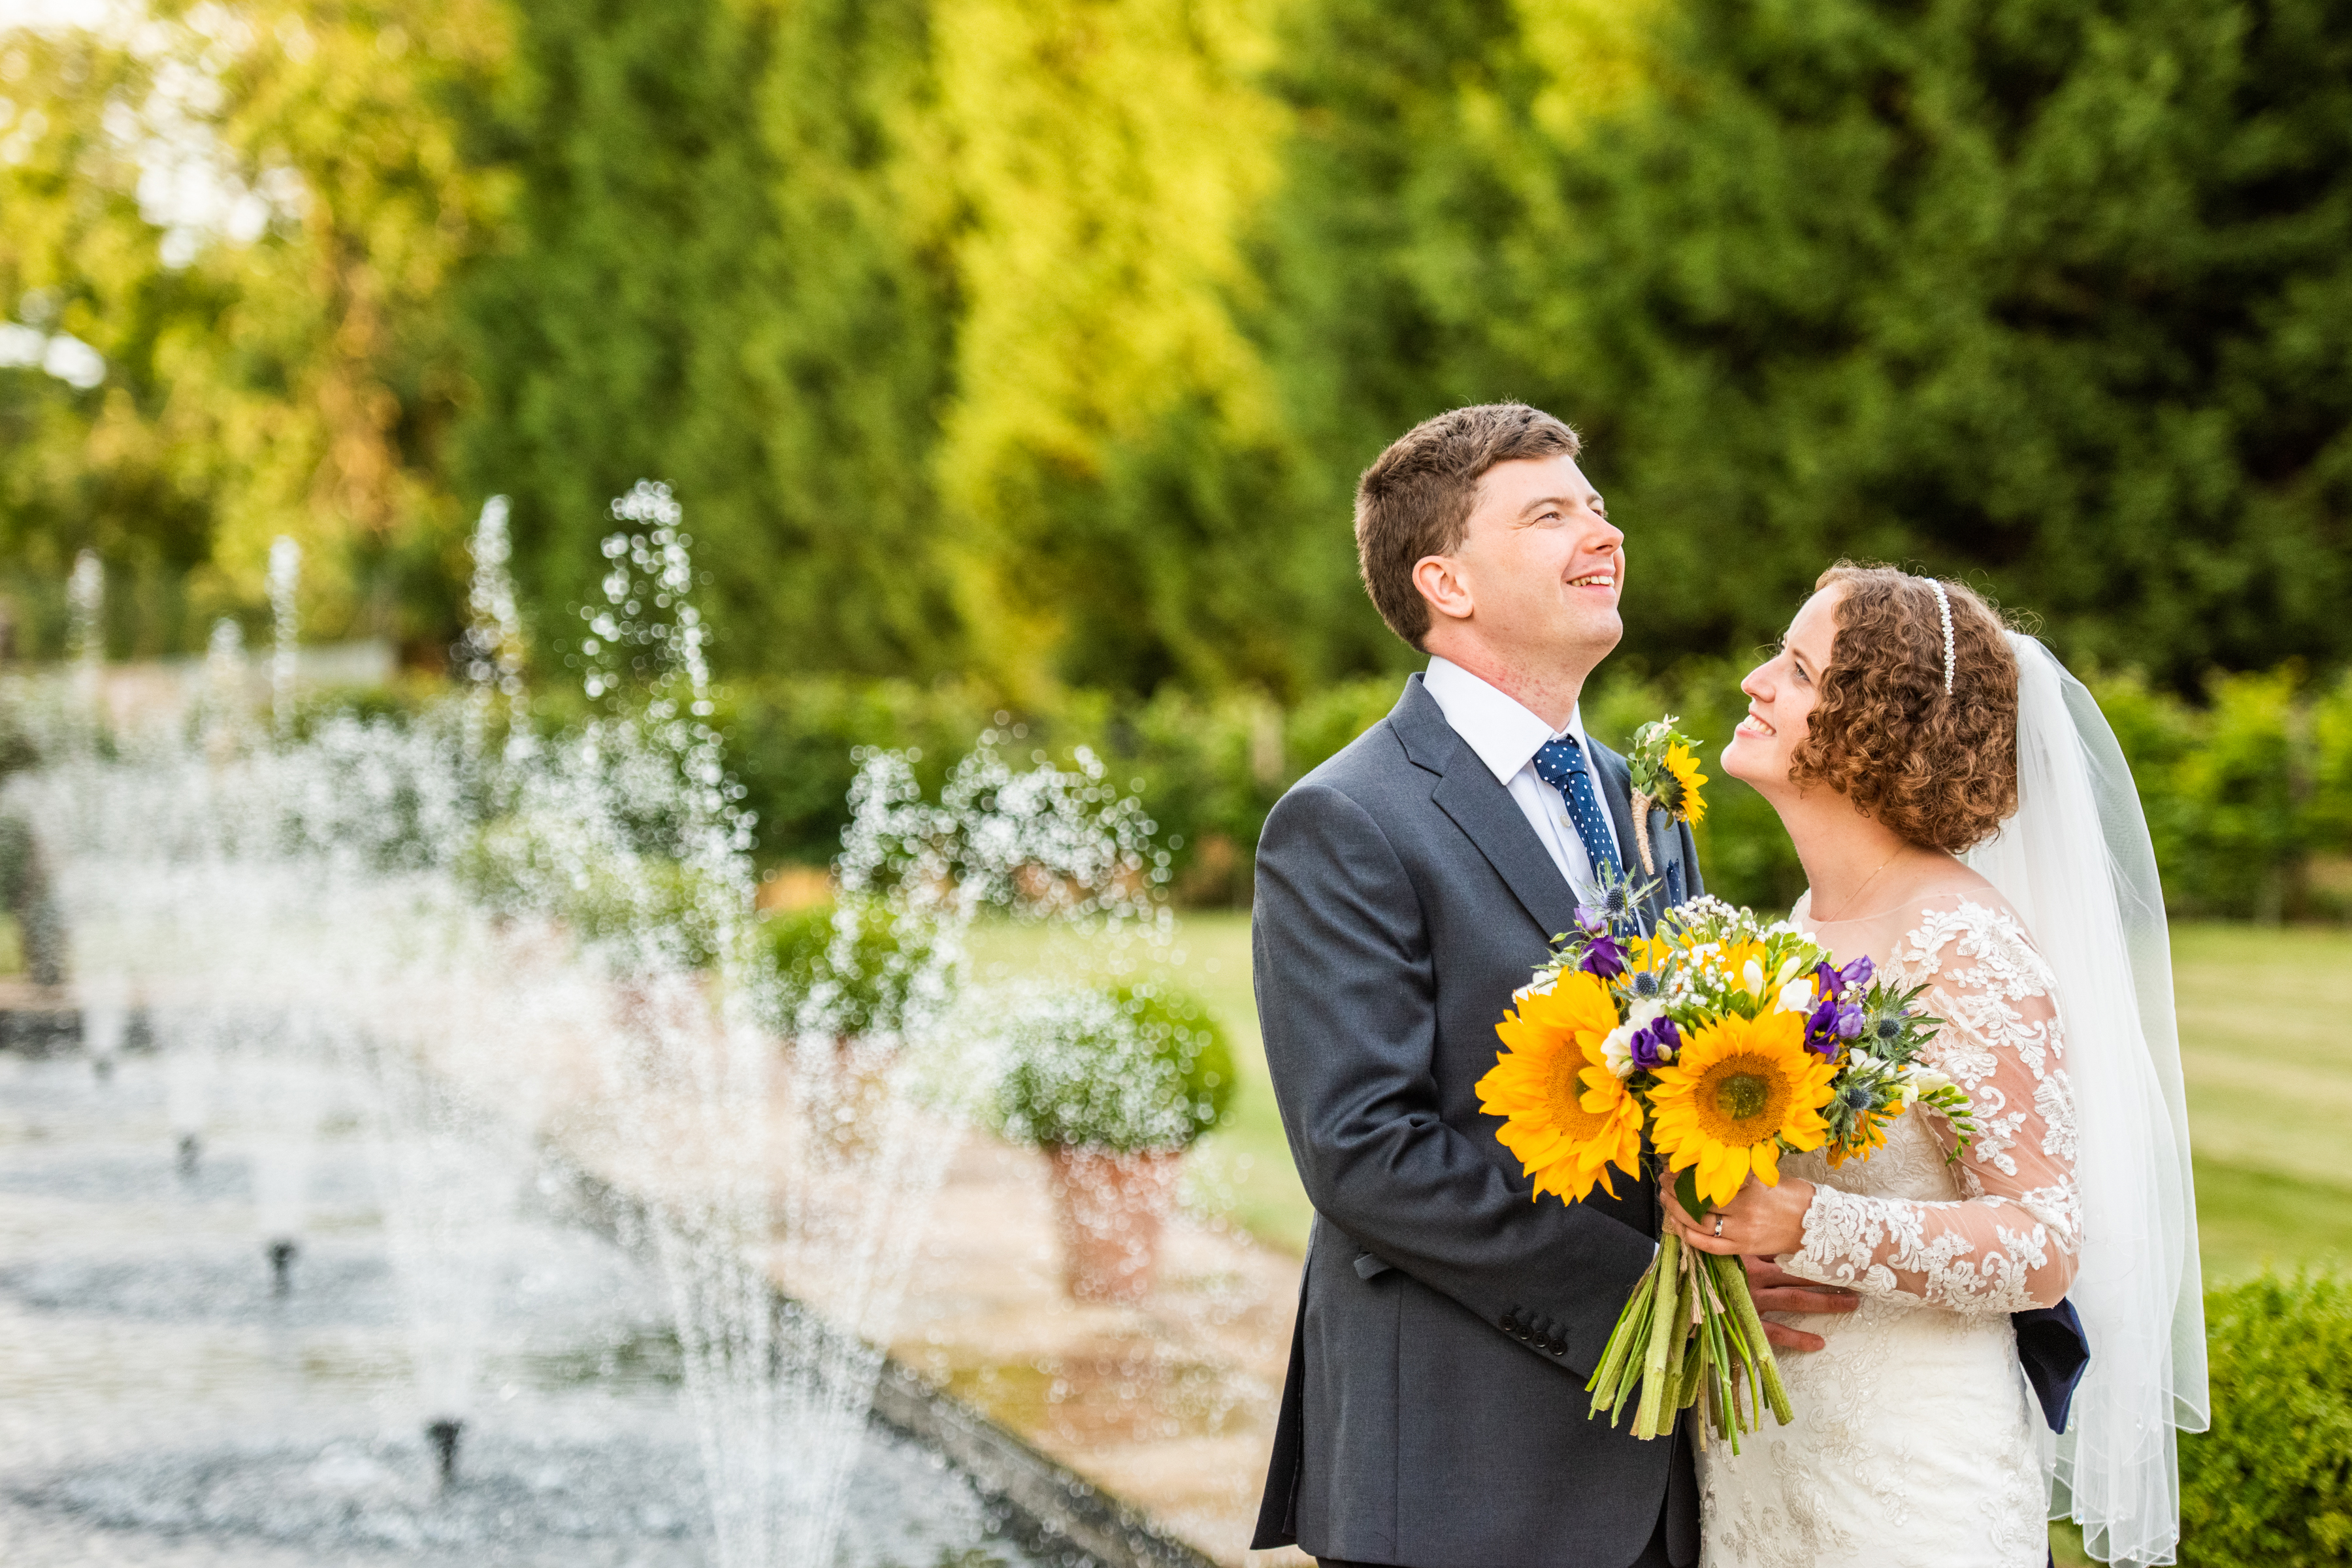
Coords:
723,272
1041,344
255,215
2054,296
1111,430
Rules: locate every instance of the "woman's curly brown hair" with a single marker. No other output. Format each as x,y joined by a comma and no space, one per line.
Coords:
1940,768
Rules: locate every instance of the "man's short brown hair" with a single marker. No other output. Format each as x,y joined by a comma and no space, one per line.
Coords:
1415,499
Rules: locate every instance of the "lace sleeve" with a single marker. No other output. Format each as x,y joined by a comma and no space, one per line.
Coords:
2011,1242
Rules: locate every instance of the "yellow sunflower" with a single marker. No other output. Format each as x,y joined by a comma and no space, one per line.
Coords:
1738,1088
1565,1115
1685,767
1649,952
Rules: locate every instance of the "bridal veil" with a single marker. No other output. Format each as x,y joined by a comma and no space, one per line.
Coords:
2076,863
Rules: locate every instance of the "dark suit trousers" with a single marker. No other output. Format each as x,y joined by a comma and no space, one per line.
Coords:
1653,1556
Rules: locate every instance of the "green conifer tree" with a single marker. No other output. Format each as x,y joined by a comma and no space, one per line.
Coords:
725,274
2057,296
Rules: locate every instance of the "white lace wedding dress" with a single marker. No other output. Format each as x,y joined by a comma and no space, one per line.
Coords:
1913,1442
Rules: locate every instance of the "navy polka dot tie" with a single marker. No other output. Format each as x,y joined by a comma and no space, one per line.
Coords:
1560,763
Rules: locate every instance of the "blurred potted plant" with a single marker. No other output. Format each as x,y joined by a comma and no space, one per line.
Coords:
1114,1084
842,976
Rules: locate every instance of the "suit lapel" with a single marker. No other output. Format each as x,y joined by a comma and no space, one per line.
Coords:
1479,805
1485,811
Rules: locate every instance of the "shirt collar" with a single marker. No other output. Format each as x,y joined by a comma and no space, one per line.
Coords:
1503,733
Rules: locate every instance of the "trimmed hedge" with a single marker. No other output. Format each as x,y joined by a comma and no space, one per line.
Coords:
2248,793
2244,794
2271,1485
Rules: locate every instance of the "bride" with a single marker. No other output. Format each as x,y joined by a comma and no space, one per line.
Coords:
1965,822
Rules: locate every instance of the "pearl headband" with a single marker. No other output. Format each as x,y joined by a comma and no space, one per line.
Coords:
1944,609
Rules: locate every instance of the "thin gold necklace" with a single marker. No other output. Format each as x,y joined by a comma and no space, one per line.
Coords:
1865,885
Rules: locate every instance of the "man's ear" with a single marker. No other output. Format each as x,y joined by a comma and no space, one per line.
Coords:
1444,585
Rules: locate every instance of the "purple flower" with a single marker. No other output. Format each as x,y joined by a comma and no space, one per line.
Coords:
1849,1019
1821,1029
1834,981
1593,921
1603,958
1655,1044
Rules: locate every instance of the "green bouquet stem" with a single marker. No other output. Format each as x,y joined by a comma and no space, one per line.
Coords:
1688,1338
1732,1280
1668,1325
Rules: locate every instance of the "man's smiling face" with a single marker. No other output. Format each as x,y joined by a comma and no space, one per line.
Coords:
1543,564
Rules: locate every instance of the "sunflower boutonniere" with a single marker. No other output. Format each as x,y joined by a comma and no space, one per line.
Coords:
1664,777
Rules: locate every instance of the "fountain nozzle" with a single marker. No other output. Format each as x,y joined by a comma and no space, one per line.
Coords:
192,1147
282,1252
443,1435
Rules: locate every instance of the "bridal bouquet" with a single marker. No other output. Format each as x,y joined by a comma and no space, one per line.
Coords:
1719,1043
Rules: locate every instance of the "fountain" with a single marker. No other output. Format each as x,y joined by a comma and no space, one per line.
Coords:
452,943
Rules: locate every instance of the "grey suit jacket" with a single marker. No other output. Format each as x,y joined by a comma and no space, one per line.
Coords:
1436,1413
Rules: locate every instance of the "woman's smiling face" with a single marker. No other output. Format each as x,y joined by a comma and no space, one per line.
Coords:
1781,695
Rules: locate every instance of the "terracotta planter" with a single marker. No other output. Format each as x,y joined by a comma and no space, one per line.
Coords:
1110,1209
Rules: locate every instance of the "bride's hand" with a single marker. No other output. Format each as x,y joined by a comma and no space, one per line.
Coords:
1760,1221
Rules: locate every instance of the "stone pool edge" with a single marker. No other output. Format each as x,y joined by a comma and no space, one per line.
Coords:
1050,1508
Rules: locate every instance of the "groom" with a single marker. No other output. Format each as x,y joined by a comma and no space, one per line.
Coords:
1435,1415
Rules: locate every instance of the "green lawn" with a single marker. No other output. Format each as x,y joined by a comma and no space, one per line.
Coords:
2265,1044
2267,1055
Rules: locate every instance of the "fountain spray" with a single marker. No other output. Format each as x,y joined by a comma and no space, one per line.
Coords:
490,654
86,596
284,577
284,1092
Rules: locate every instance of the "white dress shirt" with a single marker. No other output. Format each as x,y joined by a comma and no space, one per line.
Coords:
1507,737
